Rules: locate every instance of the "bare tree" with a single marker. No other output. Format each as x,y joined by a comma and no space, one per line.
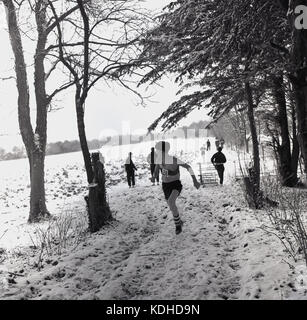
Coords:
102,46
34,138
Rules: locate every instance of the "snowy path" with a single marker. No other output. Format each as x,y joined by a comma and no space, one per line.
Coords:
217,256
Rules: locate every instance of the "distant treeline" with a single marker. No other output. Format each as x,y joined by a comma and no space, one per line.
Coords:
70,146
74,145
52,149
16,153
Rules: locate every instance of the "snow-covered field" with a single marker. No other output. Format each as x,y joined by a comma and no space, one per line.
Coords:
221,253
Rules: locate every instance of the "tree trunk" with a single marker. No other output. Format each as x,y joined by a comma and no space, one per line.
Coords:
83,140
299,80
255,171
298,74
35,143
38,207
253,130
295,144
288,176
301,103
98,208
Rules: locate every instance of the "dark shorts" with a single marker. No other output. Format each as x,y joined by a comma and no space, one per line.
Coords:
170,186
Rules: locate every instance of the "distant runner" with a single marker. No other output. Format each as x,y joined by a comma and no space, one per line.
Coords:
217,143
171,184
208,145
152,160
130,170
203,153
218,160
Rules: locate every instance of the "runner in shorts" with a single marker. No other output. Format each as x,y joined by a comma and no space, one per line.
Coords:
171,184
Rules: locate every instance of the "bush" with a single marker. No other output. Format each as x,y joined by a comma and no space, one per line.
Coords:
65,231
287,221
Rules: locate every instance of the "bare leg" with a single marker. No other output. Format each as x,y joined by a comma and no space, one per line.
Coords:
173,207
172,203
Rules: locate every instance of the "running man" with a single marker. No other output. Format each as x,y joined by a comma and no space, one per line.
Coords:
203,153
171,184
218,160
152,159
217,143
130,170
208,145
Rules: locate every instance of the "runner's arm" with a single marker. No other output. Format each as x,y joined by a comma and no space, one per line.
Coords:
213,159
191,172
133,165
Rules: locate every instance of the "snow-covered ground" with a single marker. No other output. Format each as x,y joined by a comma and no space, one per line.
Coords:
221,253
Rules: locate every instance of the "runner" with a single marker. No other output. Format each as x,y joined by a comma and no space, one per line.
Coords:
218,160
203,153
171,184
208,145
130,170
217,143
152,159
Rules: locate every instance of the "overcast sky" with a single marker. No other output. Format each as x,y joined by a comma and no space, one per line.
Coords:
106,109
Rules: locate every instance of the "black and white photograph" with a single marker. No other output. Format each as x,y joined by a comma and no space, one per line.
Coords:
153,150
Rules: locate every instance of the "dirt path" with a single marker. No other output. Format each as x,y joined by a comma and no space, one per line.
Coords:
140,257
